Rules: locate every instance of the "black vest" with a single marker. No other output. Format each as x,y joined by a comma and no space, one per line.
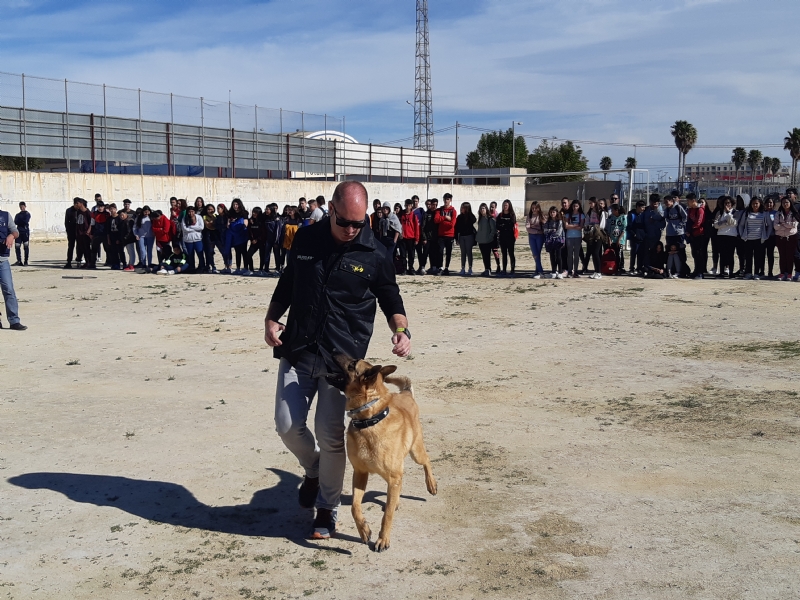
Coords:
4,232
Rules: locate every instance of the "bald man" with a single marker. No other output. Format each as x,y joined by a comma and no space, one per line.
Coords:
335,275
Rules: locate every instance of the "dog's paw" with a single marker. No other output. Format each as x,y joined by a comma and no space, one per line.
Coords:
431,485
382,545
366,533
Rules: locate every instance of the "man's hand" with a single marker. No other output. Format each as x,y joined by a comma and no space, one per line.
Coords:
272,329
402,345
10,241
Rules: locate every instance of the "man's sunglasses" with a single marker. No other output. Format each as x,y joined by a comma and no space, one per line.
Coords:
344,223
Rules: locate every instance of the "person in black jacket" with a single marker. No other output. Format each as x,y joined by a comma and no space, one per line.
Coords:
506,220
430,236
70,226
336,274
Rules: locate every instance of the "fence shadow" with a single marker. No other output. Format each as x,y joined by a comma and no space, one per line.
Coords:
268,513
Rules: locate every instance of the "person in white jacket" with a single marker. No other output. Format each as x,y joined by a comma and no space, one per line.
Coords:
726,225
192,229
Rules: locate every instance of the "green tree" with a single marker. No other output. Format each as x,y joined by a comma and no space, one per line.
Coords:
605,164
766,166
630,163
685,136
792,143
753,161
738,158
494,151
549,158
17,163
776,166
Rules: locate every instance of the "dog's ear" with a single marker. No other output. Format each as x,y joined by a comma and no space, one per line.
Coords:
388,370
372,372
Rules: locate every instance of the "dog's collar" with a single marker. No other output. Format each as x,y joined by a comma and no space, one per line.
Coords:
364,423
372,402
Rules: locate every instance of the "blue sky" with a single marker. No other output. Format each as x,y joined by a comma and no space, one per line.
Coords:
597,70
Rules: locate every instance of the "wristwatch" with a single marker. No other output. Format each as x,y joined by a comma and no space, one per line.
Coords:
405,330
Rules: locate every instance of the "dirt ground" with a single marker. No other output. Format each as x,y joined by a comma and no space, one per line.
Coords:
618,438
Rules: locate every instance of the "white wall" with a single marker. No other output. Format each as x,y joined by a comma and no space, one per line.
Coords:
48,195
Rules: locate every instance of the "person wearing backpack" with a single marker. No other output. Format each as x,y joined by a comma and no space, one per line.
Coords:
615,230
676,228
554,241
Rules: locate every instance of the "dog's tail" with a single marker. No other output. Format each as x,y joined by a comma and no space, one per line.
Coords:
403,383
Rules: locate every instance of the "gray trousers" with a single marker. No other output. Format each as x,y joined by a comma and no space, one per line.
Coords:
465,243
324,457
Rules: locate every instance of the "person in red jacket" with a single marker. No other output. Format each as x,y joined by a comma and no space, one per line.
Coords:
446,220
162,230
696,235
411,233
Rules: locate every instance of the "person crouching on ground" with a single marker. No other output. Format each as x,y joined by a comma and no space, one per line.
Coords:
175,262
336,274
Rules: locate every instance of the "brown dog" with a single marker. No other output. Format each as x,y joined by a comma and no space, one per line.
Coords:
385,428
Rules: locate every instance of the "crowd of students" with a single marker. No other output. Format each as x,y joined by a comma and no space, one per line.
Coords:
742,232
187,238
748,229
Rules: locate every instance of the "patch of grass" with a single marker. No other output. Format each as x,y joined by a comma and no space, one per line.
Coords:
72,362
782,350
686,403
319,565
129,434
116,528
171,378
621,292
467,383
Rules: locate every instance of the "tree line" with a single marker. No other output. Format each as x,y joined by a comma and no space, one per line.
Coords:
494,150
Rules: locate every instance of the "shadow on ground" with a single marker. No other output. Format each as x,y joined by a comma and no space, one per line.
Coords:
270,512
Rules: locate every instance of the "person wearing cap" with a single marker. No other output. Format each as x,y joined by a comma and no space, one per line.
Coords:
8,234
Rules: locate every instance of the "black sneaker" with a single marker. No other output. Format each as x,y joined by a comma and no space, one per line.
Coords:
68,266
446,272
307,495
324,525
18,327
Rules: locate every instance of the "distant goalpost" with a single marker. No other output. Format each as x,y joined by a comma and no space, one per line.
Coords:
628,200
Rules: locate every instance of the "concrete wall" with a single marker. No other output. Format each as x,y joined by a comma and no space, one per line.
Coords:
48,195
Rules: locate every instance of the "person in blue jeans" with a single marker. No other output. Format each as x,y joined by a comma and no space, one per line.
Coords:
534,225
636,236
8,234
145,238
192,228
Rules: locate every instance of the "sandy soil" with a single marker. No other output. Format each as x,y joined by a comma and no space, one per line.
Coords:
592,439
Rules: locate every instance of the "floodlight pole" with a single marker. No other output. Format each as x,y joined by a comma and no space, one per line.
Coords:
513,143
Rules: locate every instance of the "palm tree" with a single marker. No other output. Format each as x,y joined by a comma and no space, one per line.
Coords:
685,136
776,166
753,161
792,144
766,166
630,163
605,164
738,158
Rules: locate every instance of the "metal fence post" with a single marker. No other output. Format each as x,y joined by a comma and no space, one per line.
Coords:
230,131
141,158
280,146
105,133
325,137
303,142
255,142
171,151
202,137
66,108
401,164
370,162
288,171
344,150
24,125
233,153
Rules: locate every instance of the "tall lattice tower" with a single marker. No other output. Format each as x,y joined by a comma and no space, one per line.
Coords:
423,96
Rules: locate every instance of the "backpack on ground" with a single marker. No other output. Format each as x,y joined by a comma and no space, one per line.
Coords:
608,262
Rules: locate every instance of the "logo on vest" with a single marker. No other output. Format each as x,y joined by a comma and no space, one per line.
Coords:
302,257
357,269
